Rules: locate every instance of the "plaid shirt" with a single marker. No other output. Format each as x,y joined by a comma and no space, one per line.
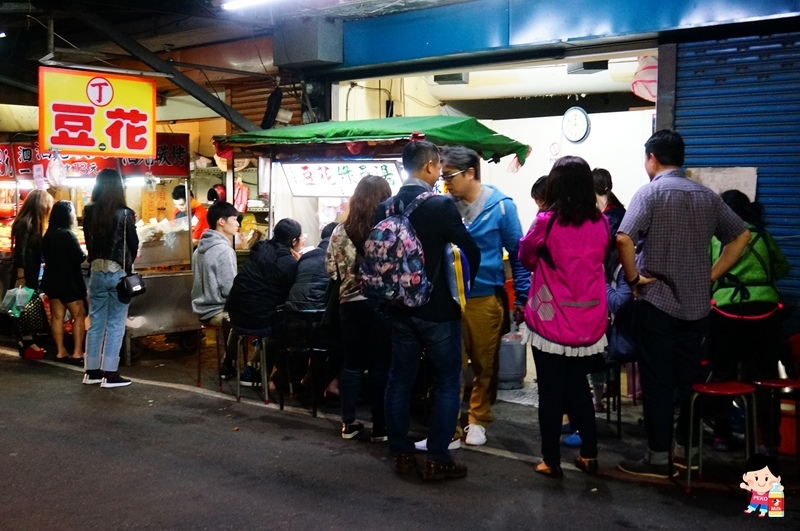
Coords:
671,222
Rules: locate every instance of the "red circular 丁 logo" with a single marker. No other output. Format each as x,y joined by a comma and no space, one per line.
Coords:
99,91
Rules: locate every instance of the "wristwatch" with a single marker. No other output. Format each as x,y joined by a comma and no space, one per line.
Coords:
632,283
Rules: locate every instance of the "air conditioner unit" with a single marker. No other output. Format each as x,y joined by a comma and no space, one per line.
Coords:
461,78
587,67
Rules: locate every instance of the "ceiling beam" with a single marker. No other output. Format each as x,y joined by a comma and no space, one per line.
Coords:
131,46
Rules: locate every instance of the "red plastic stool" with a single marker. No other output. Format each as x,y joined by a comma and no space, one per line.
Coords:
719,389
217,333
775,386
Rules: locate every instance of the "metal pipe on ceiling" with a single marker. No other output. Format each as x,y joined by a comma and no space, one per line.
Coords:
155,62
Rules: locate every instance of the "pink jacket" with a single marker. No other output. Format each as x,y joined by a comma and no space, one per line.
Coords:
567,305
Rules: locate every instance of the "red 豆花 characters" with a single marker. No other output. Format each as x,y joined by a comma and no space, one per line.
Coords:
124,129
73,123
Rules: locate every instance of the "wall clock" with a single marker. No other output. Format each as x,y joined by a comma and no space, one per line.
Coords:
575,125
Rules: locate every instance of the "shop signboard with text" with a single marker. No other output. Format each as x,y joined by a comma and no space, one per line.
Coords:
171,158
29,161
96,114
6,164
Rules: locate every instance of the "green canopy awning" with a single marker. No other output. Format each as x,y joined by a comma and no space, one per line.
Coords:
441,130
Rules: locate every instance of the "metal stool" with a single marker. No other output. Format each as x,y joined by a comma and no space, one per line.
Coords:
299,335
614,399
775,387
217,333
241,353
719,389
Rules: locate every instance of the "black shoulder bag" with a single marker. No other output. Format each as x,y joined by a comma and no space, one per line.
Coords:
131,285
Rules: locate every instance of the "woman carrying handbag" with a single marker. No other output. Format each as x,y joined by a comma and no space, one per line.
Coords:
112,244
26,243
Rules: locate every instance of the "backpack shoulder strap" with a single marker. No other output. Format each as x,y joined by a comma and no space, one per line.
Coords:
417,202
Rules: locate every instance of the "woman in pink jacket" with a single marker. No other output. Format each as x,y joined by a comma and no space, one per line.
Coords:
566,310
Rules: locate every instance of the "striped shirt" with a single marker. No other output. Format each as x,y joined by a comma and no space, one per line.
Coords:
671,222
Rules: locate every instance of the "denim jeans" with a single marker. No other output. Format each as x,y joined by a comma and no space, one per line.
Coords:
671,350
106,321
366,344
442,344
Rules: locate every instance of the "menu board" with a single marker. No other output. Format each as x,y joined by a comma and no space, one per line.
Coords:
337,178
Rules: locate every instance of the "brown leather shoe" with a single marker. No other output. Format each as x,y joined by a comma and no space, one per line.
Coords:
588,465
404,463
435,471
549,471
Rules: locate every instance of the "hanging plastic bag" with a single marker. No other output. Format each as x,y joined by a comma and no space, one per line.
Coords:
15,300
645,80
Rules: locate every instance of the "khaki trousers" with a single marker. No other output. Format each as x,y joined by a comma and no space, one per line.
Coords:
482,323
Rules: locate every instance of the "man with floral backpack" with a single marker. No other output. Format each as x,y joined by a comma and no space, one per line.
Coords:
434,326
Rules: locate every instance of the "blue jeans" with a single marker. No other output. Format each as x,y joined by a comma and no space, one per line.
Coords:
106,321
442,344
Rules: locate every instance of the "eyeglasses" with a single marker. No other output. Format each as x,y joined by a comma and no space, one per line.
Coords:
450,176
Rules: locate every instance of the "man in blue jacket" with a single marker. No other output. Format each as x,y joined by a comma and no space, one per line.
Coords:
491,219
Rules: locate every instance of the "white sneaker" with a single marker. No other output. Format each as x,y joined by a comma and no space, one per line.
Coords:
476,435
422,446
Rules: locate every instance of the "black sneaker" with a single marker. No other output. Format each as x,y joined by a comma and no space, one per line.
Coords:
351,430
378,435
435,471
404,463
645,468
227,371
93,376
250,377
113,379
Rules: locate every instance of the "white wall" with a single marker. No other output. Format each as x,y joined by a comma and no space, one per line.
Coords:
615,142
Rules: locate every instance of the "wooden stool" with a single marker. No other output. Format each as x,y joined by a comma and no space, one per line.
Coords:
775,387
241,353
719,390
217,333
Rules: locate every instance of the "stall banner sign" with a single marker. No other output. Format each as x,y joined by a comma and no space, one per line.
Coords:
6,165
171,158
28,160
87,113
337,179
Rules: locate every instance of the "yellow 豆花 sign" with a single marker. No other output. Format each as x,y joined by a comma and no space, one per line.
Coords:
91,113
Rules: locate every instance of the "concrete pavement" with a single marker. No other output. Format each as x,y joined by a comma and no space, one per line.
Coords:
161,455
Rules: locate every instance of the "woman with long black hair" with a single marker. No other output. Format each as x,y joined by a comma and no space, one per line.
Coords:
111,240
26,244
566,310
62,280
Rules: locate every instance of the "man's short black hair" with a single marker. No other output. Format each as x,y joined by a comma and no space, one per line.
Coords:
286,231
667,146
220,210
759,461
179,192
416,154
462,158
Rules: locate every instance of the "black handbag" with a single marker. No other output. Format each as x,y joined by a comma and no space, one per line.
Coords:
131,285
33,318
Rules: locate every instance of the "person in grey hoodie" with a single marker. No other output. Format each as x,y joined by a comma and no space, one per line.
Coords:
214,268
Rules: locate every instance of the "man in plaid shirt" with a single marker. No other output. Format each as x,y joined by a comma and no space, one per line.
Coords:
663,246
